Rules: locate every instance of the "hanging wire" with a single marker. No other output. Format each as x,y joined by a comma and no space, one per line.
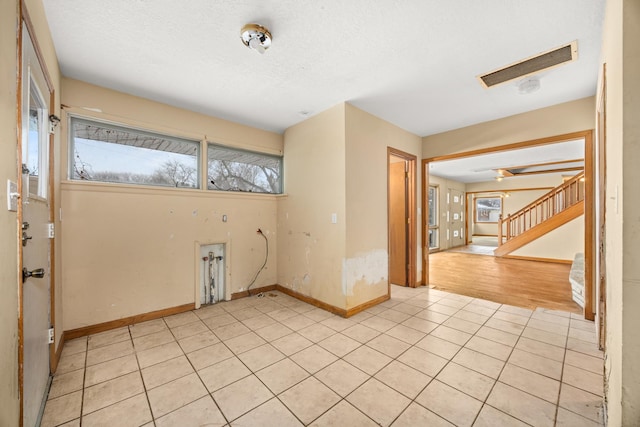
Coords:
266,256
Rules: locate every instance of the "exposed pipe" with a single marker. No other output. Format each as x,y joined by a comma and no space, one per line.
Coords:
205,277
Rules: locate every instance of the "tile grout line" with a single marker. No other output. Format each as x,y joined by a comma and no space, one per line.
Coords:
144,385
195,371
505,362
502,370
252,373
360,344
450,360
84,377
564,358
412,346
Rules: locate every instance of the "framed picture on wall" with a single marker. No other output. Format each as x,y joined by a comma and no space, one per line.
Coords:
488,209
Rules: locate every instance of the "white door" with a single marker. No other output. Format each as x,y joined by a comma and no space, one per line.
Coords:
36,292
456,217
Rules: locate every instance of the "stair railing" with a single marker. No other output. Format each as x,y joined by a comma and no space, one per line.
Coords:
555,201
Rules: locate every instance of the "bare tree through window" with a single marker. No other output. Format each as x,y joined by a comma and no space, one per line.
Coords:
237,170
113,154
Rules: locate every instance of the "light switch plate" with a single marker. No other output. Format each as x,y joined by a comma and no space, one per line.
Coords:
12,196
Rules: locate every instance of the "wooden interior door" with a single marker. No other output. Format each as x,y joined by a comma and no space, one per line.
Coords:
398,239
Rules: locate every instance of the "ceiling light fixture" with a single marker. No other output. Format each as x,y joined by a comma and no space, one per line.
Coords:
499,178
528,85
256,37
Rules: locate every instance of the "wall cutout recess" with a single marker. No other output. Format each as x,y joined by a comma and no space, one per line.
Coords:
212,273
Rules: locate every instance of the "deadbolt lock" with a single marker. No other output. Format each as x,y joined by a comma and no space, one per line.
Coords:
25,238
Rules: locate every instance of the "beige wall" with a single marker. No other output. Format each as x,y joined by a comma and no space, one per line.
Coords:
444,185
630,202
9,404
311,248
621,53
559,119
336,162
94,101
366,266
132,249
563,243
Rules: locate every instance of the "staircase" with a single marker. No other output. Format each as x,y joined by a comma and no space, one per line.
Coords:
559,206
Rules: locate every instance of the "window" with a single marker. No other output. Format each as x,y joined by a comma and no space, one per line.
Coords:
35,152
109,153
488,209
230,169
433,218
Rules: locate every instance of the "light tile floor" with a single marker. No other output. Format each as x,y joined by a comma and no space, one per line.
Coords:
425,357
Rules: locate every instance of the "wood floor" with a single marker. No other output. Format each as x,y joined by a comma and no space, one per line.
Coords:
474,249
516,282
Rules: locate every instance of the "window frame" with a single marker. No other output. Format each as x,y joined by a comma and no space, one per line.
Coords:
279,158
41,190
476,219
72,119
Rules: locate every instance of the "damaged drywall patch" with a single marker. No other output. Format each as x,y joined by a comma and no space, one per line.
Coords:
370,268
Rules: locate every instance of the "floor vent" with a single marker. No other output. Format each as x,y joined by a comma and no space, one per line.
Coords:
535,64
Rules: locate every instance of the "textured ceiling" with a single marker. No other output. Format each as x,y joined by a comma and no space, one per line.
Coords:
411,62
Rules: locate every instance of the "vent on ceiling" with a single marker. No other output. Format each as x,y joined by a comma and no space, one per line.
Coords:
535,64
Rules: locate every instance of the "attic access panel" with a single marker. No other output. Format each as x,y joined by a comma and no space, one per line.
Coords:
532,65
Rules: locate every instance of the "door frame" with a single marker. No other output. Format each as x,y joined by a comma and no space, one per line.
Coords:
589,202
601,127
25,22
411,183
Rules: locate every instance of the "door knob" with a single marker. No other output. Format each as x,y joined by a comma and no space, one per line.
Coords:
38,273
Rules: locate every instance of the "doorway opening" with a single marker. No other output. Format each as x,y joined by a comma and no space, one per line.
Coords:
499,193
401,204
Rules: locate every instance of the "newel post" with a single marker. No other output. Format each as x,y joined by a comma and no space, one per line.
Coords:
500,230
